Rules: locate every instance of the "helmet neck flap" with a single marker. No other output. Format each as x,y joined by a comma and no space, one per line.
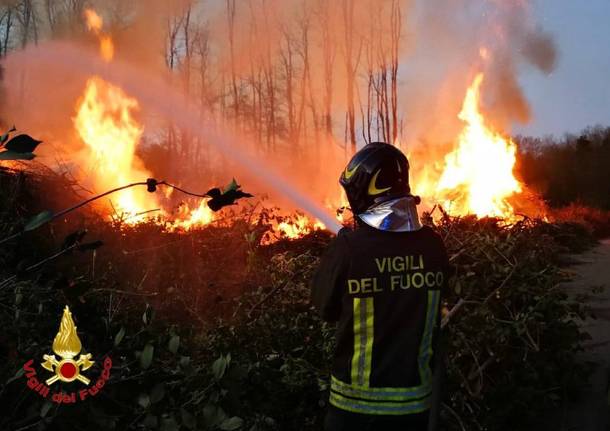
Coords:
396,215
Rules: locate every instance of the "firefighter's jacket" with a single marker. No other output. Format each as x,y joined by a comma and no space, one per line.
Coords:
384,290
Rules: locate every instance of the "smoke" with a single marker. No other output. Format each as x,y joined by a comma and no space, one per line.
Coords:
273,72
453,41
539,49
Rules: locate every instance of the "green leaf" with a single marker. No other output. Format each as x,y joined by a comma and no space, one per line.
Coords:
232,423
213,415
38,220
148,314
173,344
157,393
144,400
219,367
12,155
147,356
188,420
119,336
169,424
20,372
44,409
232,186
186,367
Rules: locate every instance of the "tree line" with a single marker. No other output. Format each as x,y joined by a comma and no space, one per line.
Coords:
290,75
571,169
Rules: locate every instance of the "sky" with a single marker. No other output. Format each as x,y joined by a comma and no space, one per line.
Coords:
577,93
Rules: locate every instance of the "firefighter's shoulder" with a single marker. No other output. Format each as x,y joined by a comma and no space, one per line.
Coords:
430,234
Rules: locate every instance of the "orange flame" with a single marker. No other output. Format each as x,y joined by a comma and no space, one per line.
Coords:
95,23
294,227
478,175
188,218
107,127
105,123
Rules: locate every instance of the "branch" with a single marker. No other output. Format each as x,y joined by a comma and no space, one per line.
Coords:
94,198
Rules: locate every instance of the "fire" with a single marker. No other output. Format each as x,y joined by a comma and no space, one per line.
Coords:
105,124
93,20
478,175
95,23
299,226
188,218
294,227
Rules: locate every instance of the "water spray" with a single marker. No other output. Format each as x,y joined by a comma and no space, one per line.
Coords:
154,93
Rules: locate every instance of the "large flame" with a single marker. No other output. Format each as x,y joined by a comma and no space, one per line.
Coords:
478,175
107,127
66,343
105,123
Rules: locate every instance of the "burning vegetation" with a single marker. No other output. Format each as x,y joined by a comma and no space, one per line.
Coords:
478,175
476,178
205,304
285,95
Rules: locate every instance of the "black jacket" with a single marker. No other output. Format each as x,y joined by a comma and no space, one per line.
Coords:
384,289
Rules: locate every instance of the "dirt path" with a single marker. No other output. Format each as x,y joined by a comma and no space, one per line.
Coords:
592,411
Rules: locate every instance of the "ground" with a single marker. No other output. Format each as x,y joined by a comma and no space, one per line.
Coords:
592,269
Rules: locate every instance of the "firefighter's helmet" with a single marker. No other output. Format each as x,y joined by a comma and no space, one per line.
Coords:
377,173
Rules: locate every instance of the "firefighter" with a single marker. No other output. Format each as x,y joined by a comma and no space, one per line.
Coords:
382,283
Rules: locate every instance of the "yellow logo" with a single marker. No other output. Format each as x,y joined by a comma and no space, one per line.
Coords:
373,190
350,172
67,345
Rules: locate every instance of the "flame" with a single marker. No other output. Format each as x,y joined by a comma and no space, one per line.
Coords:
106,48
95,23
478,175
66,343
93,20
188,218
298,226
105,123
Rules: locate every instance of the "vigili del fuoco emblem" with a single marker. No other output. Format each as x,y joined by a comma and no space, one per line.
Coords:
67,346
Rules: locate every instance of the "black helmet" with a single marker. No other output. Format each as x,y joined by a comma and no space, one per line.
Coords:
377,173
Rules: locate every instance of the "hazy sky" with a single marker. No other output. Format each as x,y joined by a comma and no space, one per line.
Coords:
577,93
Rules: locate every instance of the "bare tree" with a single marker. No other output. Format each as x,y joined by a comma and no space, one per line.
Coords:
328,57
7,23
395,34
25,10
352,58
287,58
231,27
172,49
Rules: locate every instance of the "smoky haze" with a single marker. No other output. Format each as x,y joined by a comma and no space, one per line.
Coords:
301,83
